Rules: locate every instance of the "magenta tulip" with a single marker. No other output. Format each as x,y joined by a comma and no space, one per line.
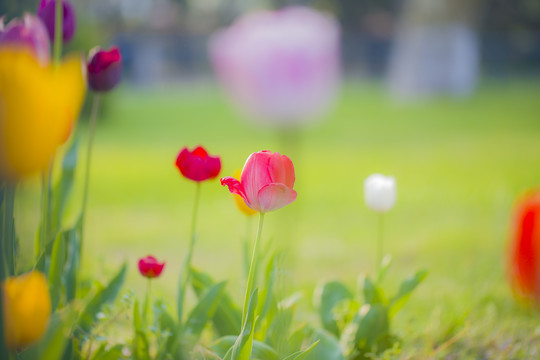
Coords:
197,165
281,67
29,33
266,183
104,69
149,267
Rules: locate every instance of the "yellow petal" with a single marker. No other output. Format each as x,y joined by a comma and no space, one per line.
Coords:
37,108
26,309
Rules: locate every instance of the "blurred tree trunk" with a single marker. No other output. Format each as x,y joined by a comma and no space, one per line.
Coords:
435,49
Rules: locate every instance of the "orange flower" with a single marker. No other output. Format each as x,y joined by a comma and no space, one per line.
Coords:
26,309
38,105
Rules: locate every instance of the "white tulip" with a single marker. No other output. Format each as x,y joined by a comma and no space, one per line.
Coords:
380,192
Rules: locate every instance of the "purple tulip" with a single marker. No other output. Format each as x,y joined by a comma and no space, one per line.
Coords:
281,67
30,33
47,11
104,69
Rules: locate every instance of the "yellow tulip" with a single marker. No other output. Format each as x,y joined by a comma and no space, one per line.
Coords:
38,105
26,309
240,203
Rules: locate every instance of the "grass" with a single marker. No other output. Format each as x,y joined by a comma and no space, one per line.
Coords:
460,164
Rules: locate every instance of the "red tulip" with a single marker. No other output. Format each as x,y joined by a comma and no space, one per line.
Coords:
197,165
525,248
266,183
104,69
150,267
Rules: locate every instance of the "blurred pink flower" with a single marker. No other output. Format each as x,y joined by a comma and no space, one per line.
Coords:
281,67
266,183
29,33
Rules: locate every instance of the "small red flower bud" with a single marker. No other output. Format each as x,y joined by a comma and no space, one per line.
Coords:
104,69
197,165
47,13
150,267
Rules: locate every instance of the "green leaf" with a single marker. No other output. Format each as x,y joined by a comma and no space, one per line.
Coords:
64,186
72,240
53,343
302,354
227,318
328,346
373,294
204,310
241,350
103,296
385,265
114,353
140,341
404,292
267,293
367,331
58,260
260,349
326,297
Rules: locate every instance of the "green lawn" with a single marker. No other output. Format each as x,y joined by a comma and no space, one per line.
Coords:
459,166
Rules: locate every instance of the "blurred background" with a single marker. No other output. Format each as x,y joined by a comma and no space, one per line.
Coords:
442,94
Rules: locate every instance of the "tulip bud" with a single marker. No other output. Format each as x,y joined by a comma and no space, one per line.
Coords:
47,13
104,69
380,192
150,267
197,165
26,309
29,33
266,183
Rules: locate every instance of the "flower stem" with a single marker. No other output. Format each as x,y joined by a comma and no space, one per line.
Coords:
91,132
58,30
7,243
147,302
380,243
252,266
186,268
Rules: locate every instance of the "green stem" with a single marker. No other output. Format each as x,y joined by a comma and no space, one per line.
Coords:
252,266
58,30
147,302
7,243
380,243
91,132
246,246
185,272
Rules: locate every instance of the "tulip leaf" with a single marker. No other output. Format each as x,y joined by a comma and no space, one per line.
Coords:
204,310
328,346
267,293
72,241
368,331
227,318
404,292
302,354
113,353
242,348
327,297
8,239
58,259
140,341
64,186
260,349
373,294
103,296
53,343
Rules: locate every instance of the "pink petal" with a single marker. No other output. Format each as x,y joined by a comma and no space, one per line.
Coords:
274,196
255,175
235,187
281,170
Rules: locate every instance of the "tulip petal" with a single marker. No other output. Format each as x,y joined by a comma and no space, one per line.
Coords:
255,175
281,170
235,187
274,196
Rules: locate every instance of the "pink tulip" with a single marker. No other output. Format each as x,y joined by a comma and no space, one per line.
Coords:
282,67
149,267
266,182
